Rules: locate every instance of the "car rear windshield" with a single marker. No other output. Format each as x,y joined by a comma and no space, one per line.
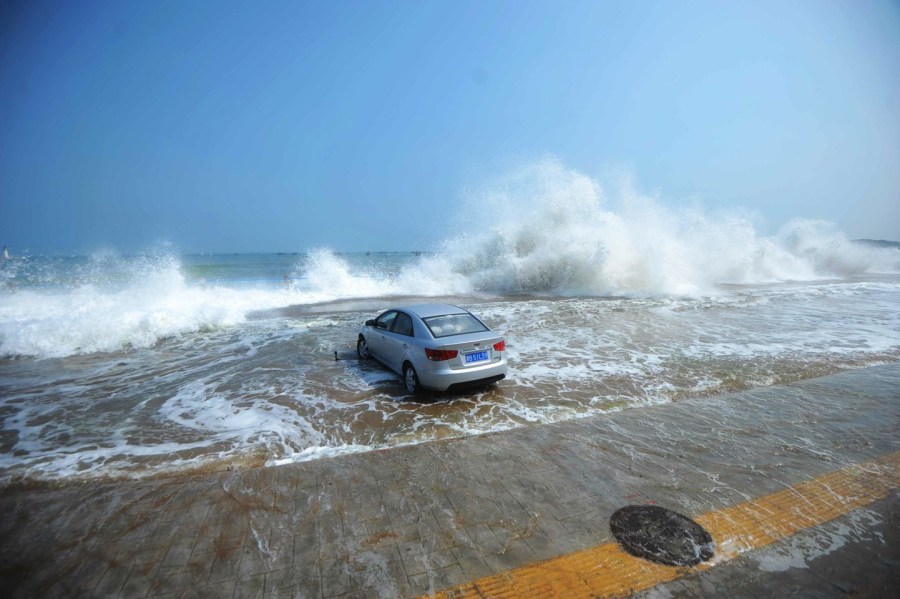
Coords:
453,324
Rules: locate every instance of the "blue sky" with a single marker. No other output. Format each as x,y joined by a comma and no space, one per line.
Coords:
281,126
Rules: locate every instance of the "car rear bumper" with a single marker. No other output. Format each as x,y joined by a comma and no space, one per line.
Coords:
441,380
478,383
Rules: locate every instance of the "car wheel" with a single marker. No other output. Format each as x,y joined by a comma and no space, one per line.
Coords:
362,348
411,379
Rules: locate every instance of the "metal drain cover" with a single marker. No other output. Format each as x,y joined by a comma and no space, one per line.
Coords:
661,535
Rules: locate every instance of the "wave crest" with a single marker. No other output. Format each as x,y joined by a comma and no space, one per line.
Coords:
547,230
112,303
543,229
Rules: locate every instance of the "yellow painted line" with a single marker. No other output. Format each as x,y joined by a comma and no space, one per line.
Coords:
606,570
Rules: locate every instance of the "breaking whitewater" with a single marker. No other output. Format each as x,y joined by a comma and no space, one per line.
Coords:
132,366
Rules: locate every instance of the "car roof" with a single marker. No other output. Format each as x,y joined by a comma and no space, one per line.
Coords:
428,310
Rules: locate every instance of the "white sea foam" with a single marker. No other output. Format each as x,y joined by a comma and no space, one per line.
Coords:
317,452
89,318
326,277
543,229
239,420
550,229
270,388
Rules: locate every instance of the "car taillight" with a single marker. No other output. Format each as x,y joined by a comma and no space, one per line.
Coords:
439,355
500,346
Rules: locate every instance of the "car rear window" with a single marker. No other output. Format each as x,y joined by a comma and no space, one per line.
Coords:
453,324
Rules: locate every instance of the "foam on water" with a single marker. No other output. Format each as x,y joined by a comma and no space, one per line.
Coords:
154,362
270,388
543,229
550,229
89,318
135,302
547,229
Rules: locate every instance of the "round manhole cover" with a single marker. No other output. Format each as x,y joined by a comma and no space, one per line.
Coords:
661,535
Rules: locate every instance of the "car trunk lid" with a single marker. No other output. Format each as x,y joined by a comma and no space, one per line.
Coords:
474,349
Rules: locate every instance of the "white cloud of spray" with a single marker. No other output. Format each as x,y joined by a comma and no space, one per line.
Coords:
543,229
546,228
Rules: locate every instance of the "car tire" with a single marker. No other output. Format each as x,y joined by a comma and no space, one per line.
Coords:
411,379
362,348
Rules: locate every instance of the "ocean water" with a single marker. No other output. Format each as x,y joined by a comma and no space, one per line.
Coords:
159,363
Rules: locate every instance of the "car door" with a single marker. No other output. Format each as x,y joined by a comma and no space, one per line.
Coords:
377,341
397,340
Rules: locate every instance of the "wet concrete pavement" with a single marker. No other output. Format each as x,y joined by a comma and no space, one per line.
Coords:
856,555
523,512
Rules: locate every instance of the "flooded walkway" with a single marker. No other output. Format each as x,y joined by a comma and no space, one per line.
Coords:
794,484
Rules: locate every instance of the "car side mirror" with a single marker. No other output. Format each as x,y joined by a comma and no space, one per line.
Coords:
370,322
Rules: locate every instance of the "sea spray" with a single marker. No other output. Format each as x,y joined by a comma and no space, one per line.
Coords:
541,230
548,229
103,304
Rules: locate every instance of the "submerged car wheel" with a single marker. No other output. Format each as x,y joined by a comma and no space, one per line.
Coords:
362,348
411,379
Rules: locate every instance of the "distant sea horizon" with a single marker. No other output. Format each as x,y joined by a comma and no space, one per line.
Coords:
281,252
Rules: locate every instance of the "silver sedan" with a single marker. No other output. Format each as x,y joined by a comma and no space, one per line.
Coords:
434,346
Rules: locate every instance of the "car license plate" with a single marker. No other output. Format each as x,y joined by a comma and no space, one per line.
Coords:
479,356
